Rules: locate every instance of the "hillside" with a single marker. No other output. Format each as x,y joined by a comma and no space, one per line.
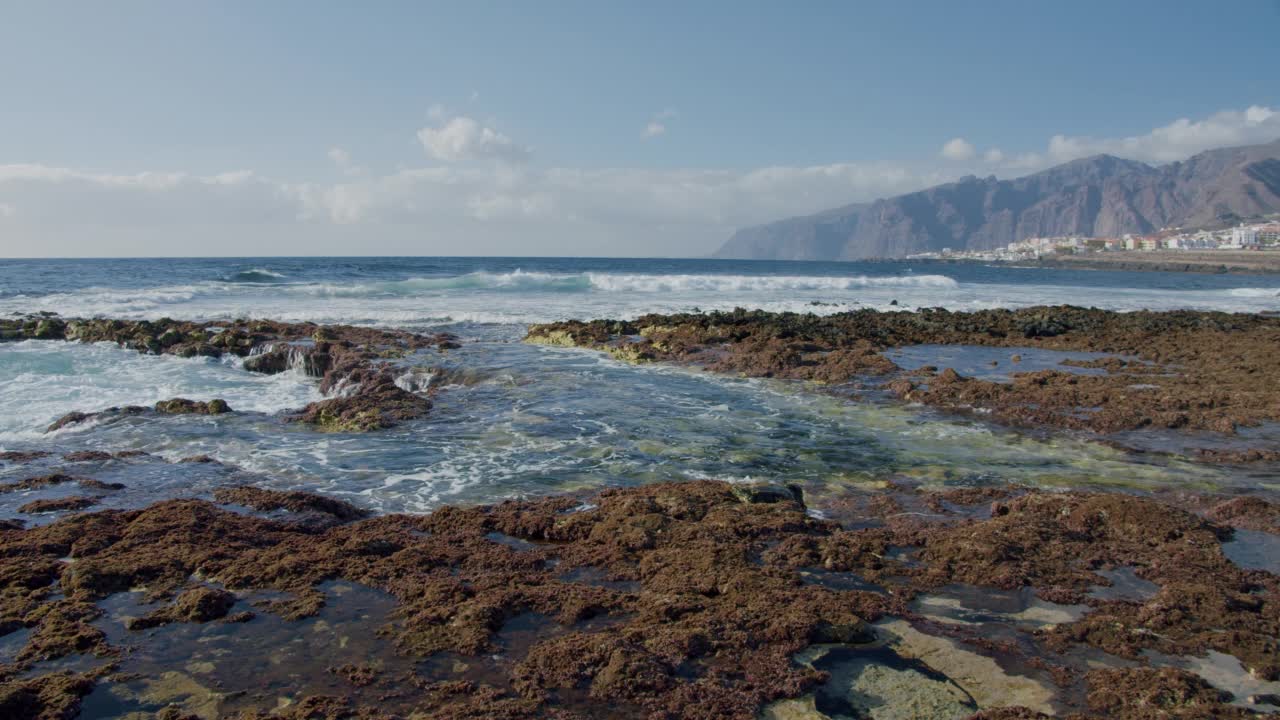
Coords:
1096,196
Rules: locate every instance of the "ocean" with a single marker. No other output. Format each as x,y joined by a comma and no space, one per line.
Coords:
516,420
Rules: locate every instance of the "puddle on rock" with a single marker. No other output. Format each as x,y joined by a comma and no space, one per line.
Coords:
971,605
216,669
1254,550
511,541
994,364
1225,672
1125,585
876,683
11,644
835,580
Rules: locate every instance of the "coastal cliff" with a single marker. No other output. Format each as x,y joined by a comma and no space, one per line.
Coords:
1096,196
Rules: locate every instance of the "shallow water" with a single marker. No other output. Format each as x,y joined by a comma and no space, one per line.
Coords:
532,420
994,364
214,669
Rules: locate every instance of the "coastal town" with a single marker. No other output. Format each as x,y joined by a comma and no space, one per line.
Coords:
1243,237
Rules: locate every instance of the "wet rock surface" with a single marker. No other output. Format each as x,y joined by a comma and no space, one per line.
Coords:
198,604
354,364
182,406
1176,370
75,502
668,600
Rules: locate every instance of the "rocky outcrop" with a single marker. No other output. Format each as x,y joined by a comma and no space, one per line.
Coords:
75,502
47,481
76,417
1096,196
182,406
1193,370
294,501
198,604
355,365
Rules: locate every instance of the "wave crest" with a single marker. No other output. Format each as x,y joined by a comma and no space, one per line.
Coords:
522,281
766,283
255,276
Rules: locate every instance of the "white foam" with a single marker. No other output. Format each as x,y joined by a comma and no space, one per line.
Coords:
521,297
42,380
1254,292
611,282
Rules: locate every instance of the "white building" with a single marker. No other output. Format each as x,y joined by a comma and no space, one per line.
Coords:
1244,236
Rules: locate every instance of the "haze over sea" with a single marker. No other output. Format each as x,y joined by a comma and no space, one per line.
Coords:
519,420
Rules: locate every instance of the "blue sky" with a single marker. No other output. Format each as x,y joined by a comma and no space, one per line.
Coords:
576,127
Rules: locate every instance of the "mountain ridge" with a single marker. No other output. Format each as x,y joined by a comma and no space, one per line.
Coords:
1097,196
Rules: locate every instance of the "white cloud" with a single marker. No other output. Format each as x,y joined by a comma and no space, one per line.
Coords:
463,138
658,124
958,149
1177,140
518,208
63,196
342,160
340,157
653,129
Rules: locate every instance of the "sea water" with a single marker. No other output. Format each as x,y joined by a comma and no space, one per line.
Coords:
525,420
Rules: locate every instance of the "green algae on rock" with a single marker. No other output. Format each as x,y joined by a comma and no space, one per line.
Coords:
183,406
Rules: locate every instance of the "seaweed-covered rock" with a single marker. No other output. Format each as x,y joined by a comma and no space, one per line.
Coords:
1196,370
76,418
75,502
55,696
375,402
199,604
182,406
267,500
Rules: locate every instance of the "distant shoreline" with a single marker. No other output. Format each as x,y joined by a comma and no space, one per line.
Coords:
1219,262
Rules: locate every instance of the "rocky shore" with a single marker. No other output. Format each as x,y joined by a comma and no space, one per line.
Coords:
686,600
881,599
1178,370
354,365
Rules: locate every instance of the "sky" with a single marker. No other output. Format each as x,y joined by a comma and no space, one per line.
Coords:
594,128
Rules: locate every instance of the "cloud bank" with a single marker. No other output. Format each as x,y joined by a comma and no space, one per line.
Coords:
481,193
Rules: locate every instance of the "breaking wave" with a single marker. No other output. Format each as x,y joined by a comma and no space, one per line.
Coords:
766,283
523,281
1255,292
255,276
